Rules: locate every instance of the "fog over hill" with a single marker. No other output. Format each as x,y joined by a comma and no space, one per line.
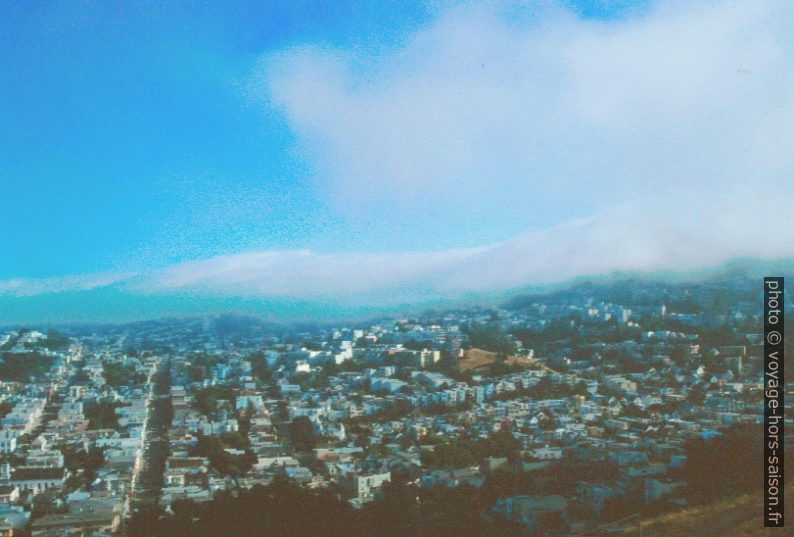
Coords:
265,313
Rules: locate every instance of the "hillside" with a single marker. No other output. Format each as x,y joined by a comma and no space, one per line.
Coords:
479,361
737,517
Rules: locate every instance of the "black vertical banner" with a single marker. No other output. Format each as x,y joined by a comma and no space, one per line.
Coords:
773,402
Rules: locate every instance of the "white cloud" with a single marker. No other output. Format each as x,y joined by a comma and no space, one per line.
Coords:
304,274
485,107
597,245
40,286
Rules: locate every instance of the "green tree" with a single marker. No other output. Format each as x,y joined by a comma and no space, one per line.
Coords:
102,415
301,434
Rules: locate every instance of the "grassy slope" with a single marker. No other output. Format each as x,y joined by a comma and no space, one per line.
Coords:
477,360
736,517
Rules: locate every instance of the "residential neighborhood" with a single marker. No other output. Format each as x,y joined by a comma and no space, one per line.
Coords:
565,411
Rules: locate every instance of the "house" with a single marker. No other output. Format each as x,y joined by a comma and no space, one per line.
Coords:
76,523
36,480
8,440
44,458
654,489
596,495
8,494
533,512
301,474
71,411
495,464
453,478
13,523
252,399
547,453
364,485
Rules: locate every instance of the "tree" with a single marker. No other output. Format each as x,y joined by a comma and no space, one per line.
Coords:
44,504
214,448
5,408
259,367
580,388
54,340
147,521
362,440
206,400
679,355
195,373
301,433
503,444
697,395
735,453
21,366
102,415
83,465
284,509
117,374
490,338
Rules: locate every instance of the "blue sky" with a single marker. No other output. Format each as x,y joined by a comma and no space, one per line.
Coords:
122,123
375,152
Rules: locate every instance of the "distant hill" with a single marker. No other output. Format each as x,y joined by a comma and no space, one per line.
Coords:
742,277
716,287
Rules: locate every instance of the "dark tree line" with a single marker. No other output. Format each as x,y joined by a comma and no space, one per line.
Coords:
21,366
102,415
490,338
461,453
284,509
214,448
118,374
726,465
